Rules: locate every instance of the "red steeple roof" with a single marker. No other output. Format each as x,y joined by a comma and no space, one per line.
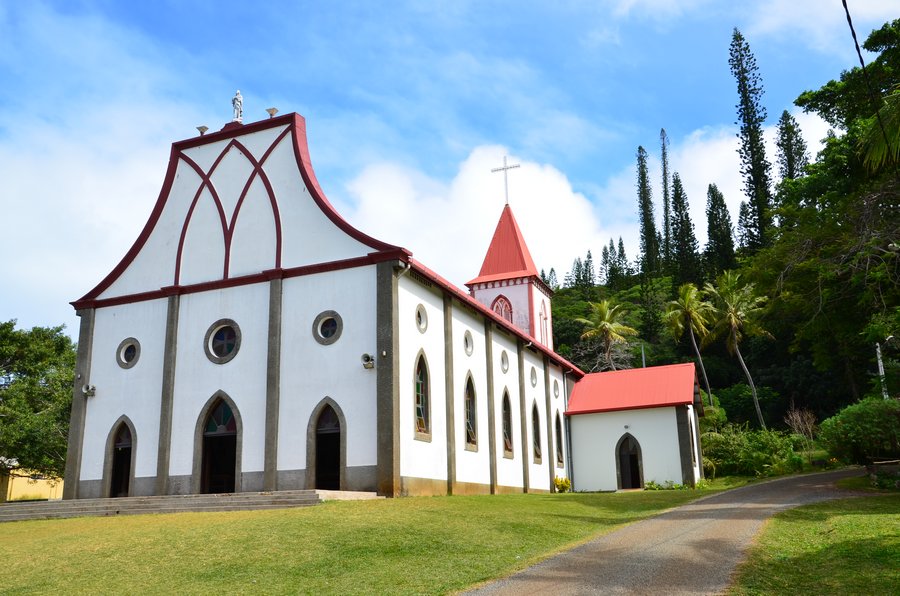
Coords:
507,257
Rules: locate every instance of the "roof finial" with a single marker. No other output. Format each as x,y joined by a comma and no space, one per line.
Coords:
504,169
237,102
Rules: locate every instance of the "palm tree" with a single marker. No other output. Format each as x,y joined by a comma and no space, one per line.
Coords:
691,311
737,309
605,324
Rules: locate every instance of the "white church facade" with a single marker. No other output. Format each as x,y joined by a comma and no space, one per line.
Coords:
251,339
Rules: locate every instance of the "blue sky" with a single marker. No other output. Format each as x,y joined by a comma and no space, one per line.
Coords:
408,106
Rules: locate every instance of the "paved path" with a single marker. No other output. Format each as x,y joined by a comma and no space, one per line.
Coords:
692,549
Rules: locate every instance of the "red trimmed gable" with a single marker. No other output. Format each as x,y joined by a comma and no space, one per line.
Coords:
507,256
636,388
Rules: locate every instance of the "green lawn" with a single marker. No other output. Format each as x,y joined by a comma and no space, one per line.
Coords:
850,546
412,545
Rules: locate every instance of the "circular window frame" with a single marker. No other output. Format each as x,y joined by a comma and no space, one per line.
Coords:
533,377
320,320
207,341
555,388
468,343
120,352
421,318
504,361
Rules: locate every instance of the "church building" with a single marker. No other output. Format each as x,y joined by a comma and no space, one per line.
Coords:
252,339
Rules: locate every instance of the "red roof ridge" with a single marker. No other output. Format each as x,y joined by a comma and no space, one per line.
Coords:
507,255
636,388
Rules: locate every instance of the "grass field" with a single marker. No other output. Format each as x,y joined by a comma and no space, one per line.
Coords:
850,546
413,545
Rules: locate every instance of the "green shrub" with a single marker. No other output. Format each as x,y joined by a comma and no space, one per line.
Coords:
864,430
737,400
741,452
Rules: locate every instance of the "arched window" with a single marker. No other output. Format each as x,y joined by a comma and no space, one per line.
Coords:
536,433
502,307
507,426
423,421
559,442
471,415
545,337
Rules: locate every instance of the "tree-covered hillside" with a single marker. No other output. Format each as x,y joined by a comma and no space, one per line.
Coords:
815,258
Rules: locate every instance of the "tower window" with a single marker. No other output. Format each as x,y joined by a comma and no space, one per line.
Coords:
502,307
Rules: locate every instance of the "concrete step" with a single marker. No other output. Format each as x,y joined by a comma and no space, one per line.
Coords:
174,504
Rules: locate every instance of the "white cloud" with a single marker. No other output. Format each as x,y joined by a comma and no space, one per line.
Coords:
821,24
449,226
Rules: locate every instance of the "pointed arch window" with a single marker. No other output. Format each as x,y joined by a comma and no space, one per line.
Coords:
423,419
471,415
545,337
507,427
559,442
502,307
536,433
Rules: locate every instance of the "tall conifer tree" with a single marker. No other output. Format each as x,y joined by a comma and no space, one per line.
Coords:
649,238
719,253
685,255
622,259
792,155
666,201
754,166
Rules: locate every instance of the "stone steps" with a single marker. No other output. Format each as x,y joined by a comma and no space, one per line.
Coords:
171,504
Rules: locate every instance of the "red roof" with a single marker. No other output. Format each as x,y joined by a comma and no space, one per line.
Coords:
636,388
507,257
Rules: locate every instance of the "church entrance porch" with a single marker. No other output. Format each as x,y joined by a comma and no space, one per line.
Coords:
628,463
217,472
328,450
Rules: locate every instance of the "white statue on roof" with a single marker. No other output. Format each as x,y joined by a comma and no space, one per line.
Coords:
237,102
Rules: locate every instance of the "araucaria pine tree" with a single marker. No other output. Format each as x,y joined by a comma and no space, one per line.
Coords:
666,243
719,253
685,257
792,155
754,166
649,238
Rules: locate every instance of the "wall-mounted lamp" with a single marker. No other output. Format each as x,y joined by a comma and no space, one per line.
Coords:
88,390
272,112
367,361
202,130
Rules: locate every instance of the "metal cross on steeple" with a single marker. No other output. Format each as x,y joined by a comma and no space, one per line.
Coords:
504,169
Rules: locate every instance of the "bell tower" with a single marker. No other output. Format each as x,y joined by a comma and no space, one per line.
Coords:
509,283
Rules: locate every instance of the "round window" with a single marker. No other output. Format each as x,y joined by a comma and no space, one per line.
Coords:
327,327
504,361
468,343
223,340
533,377
128,352
421,318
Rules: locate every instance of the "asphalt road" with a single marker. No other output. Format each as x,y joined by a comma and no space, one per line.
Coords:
693,549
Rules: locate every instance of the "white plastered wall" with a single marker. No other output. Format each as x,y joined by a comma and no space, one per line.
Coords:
535,396
133,392
311,371
473,464
421,458
594,440
558,408
517,294
243,378
509,470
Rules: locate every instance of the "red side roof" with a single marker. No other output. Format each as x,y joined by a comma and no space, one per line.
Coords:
507,257
636,388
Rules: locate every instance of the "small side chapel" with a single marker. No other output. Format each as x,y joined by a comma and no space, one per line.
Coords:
253,340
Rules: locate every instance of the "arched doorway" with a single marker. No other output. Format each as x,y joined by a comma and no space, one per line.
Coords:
120,476
217,472
328,450
628,463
